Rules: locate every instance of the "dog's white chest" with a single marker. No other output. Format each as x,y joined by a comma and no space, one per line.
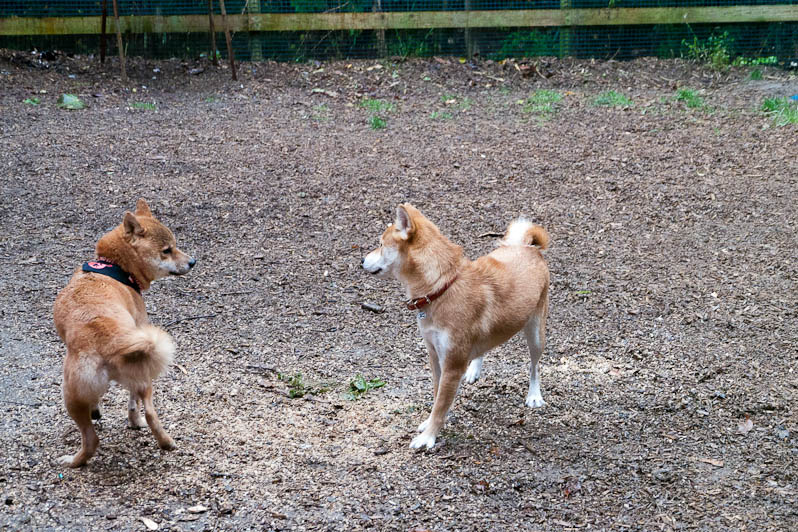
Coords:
439,338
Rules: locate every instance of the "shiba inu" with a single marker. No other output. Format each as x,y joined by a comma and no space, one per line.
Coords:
465,308
100,316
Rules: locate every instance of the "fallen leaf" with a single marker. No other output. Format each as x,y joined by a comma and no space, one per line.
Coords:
149,523
745,426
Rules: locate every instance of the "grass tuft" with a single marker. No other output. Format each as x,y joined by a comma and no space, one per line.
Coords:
612,99
782,110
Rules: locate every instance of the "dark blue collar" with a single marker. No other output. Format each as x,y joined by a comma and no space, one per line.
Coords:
106,267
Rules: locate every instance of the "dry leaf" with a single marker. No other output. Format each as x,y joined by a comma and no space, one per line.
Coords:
711,461
149,523
745,426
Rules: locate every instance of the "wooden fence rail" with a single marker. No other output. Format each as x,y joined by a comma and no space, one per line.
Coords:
255,22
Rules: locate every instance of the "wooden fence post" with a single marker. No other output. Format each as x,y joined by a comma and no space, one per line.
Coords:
212,31
119,43
102,31
382,49
565,30
228,39
256,39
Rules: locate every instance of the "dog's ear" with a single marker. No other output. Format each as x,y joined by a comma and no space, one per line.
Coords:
132,225
142,209
404,223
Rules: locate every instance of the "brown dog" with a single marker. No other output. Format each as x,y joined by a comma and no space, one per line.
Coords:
100,316
466,308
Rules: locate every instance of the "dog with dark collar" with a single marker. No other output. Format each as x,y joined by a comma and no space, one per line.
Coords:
101,317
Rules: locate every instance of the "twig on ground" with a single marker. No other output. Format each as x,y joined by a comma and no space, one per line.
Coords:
189,318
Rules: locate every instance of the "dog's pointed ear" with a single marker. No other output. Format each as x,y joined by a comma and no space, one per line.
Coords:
404,222
132,225
142,209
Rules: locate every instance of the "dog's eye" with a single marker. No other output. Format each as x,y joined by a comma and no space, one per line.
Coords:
167,251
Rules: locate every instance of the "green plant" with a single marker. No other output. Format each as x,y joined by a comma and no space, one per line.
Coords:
212,98
143,105
612,99
296,385
690,98
781,110
528,44
377,106
541,102
441,115
745,61
377,122
320,112
32,101
359,386
714,51
755,75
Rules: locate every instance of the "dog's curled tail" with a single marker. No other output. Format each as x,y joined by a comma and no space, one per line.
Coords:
144,352
525,233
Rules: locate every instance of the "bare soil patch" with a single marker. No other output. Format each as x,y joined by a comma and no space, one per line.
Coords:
673,310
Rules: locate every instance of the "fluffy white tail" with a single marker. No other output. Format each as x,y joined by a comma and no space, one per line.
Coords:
144,353
525,233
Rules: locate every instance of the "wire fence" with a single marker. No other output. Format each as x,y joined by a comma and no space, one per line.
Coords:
508,34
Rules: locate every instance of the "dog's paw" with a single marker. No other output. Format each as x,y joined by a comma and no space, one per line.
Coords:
68,460
423,440
535,401
167,445
136,424
474,369
423,426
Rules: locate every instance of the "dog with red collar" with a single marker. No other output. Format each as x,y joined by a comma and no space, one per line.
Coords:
101,317
466,308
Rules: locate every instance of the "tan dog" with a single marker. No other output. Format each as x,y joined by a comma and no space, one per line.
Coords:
100,316
466,308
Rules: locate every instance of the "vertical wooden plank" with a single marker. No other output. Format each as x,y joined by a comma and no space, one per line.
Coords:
212,31
119,43
255,38
102,31
565,30
228,39
469,40
382,48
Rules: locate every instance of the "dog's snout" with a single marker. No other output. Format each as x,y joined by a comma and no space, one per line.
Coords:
192,262
363,261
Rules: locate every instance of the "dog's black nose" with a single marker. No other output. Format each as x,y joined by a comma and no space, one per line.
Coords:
363,261
192,262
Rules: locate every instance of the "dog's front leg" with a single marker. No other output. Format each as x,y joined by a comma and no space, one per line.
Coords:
435,367
447,389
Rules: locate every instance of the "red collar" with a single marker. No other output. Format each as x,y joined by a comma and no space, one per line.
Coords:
421,302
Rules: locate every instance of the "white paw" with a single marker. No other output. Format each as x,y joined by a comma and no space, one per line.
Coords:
136,424
423,440
66,459
535,401
423,426
473,371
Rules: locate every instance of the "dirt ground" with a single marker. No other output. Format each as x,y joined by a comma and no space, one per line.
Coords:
670,369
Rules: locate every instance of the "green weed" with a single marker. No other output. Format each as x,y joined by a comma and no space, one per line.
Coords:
612,99
755,75
714,51
781,110
690,98
143,105
441,115
377,122
212,99
359,386
32,101
321,113
377,106
541,102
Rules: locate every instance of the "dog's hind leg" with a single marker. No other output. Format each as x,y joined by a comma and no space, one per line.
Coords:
134,419
535,333
81,412
164,440
474,370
